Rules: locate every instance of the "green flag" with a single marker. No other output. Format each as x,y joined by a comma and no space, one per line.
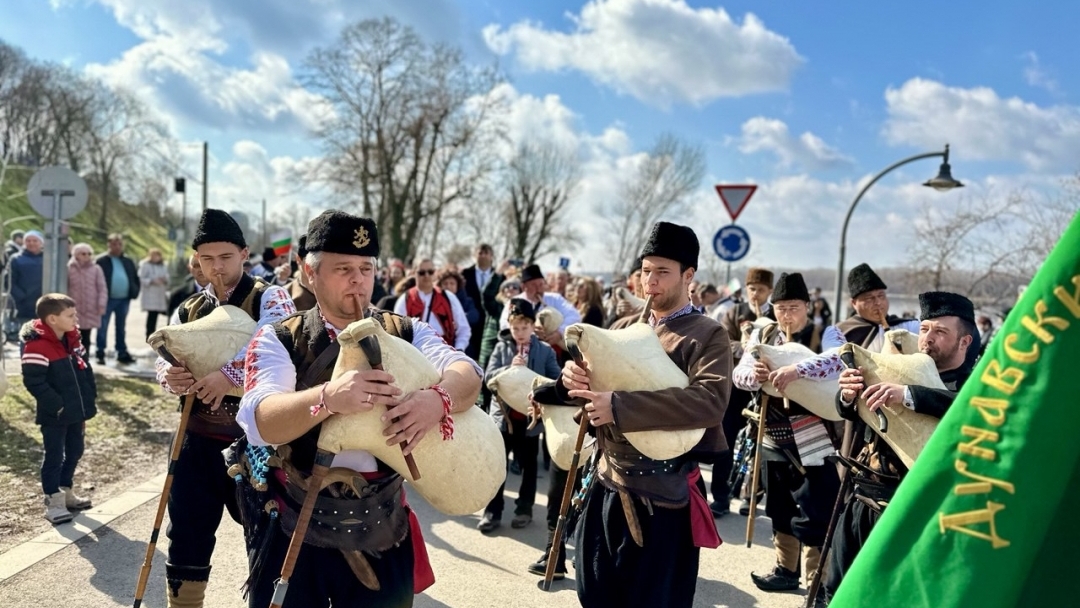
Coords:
989,516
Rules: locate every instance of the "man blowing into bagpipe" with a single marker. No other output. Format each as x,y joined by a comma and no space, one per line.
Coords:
290,393
661,502
946,333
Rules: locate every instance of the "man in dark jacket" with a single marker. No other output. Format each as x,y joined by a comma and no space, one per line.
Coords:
195,282
122,279
477,278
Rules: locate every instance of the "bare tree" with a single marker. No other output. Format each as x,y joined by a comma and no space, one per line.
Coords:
667,175
119,134
541,180
986,246
405,127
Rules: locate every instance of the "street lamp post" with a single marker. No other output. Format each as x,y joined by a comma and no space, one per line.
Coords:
942,183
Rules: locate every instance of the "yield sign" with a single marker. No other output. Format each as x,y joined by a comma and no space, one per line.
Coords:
735,198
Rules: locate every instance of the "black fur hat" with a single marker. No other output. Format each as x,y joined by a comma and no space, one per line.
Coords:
673,242
216,226
862,279
339,232
936,304
790,287
530,272
269,255
521,307
301,246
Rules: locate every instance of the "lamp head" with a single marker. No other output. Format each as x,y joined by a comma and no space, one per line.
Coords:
944,180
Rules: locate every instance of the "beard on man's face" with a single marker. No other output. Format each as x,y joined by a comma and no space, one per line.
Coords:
939,353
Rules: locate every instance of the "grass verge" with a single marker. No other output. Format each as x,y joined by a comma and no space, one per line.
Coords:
126,443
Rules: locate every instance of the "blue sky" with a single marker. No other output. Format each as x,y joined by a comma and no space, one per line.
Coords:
806,100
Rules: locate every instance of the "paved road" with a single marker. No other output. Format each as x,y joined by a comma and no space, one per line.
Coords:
472,570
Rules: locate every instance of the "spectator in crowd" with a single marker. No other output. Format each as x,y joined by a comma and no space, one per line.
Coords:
13,246
26,277
451,281
395,275
587,301
154,295
518,346
439,309
704,297
477,278
504,284
820,309
533,285
122,279
57,374
86,286
266,269
193,284
986,332
558,281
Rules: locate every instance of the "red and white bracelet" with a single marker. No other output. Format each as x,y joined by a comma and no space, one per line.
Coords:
321,405
446,426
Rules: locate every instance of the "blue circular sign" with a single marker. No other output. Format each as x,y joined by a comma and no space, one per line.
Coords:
731,243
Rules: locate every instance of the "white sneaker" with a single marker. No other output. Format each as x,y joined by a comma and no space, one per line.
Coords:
55,510
74,501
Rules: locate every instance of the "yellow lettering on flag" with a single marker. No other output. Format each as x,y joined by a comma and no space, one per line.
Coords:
1005,380
957,522
1071,302
1035,325
982,483
992,410
1019,356
971,448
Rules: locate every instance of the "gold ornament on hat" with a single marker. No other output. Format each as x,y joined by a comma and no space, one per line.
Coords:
361,239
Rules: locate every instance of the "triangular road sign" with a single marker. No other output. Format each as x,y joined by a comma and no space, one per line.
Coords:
735,198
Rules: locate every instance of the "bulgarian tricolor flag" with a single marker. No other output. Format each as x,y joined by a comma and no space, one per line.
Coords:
990,515
281,242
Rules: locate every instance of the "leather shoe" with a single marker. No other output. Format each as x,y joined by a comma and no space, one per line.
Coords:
539,567
521,520
744,507
488,523
125,359
719,508
780,579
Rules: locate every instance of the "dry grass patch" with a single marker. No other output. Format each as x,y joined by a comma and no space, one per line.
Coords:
126,443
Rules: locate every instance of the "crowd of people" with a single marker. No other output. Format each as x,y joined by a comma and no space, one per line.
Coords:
641,521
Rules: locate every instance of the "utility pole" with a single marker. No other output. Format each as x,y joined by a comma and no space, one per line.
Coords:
205,164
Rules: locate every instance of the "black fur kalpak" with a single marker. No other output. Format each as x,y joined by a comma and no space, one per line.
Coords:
217,226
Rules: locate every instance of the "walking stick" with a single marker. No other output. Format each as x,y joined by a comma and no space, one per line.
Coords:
178,440
848,358
755,478
568,489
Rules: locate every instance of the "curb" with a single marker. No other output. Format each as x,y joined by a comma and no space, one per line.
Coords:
23,556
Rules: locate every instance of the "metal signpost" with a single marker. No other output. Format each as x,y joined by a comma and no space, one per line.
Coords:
731,242
59,194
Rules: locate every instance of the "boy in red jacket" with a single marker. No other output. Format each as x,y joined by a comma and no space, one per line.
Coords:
57,373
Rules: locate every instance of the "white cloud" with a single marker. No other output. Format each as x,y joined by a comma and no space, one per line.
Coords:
659,51
981,125
760,134
191,87
1036,75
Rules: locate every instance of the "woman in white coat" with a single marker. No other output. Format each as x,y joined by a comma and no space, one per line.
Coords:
154,297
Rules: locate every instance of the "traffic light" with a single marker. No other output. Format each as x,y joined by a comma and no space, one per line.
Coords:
181,185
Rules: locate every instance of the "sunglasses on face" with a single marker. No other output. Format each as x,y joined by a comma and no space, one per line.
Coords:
424,273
